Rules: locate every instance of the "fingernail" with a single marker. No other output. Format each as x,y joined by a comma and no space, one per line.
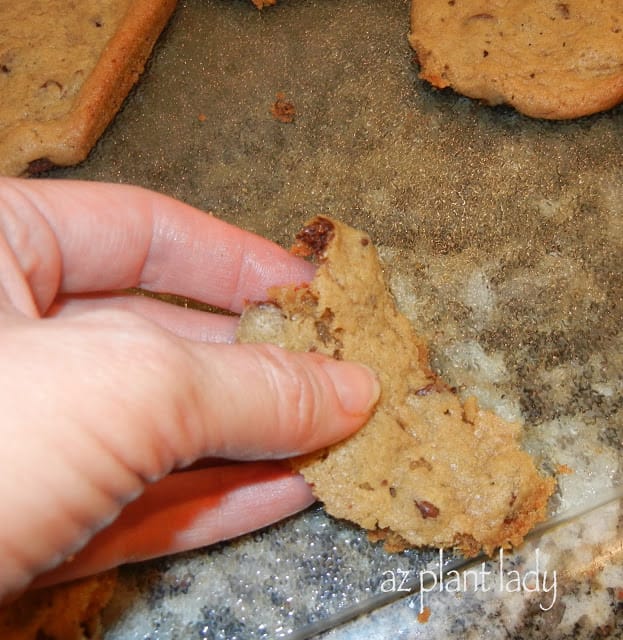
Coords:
356,386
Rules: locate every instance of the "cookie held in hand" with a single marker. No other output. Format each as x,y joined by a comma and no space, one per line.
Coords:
427,469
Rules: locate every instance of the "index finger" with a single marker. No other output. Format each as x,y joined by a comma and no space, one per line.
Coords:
112,237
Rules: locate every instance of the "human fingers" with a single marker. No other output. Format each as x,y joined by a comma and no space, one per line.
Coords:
193,324
188,510
99,405
82,237
271,403
182,400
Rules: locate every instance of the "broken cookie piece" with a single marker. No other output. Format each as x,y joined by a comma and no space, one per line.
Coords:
427,469
70,611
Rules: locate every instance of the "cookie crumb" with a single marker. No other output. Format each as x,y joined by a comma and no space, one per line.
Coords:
424,615
260,4
564,470
283,110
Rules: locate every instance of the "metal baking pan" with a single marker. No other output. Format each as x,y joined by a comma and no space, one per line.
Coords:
503,238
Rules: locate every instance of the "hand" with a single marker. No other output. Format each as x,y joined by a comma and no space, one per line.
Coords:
104,394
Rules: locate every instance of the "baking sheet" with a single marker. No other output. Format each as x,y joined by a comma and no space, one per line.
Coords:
502,237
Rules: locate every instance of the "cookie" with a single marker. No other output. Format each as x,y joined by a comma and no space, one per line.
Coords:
64,73
427,469
68,611
261,4
554,60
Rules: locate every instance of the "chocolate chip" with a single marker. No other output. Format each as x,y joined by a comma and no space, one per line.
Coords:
563,10
39,165
427,509
314,238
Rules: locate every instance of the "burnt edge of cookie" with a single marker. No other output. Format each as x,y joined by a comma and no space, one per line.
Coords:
314,238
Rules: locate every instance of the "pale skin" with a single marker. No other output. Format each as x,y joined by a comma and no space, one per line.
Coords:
106,398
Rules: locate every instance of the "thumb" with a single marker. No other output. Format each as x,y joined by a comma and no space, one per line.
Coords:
265,402
95,406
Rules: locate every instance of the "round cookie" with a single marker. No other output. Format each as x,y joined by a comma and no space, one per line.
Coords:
554,60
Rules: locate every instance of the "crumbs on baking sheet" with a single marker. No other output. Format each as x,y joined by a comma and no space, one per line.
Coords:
282,109
563,469
424,615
